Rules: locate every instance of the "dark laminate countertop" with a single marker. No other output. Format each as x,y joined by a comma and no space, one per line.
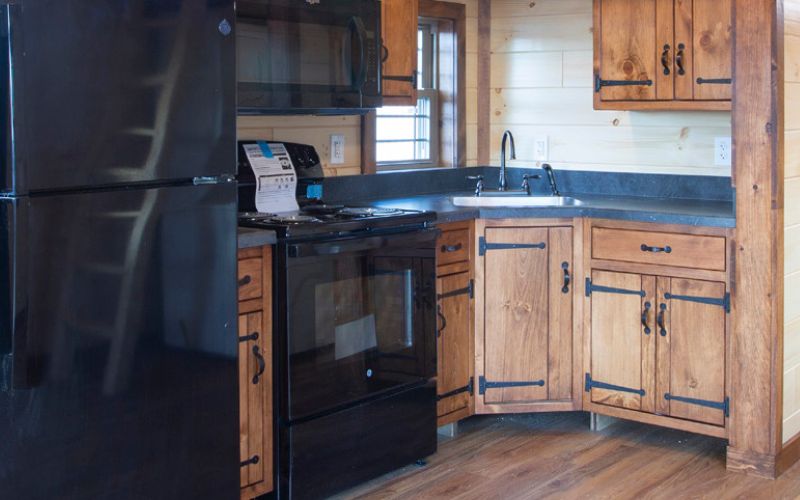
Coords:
667,211
250,237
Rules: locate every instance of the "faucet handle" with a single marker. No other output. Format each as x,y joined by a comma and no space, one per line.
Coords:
526,186
479,186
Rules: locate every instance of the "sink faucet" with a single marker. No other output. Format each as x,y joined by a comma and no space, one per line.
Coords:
551,177
503,185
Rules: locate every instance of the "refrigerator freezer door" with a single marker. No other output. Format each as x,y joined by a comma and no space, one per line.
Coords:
110,92
123,378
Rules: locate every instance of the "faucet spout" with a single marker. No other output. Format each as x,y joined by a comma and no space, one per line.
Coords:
507,136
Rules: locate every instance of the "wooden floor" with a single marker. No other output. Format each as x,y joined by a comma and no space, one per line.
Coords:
557,456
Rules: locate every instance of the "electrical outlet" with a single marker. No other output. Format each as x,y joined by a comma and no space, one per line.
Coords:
337,149
541,148
722,151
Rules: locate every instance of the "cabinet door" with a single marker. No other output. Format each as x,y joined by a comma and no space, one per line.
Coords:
400,20
454,355
627,49
622,340
712,43
516,315
255,404
691,350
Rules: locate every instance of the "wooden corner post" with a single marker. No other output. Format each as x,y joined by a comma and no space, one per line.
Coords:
757,334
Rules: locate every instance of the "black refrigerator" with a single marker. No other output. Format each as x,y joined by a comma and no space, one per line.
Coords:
118,371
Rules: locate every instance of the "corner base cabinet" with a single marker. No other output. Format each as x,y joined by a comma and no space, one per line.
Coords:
658,312
255,371
525,304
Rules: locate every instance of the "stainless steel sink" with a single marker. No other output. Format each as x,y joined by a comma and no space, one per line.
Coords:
490,200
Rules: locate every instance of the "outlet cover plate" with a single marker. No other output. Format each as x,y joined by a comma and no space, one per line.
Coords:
722,151
337,149
541,147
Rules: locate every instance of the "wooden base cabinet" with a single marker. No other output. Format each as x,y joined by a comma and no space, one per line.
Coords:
657,343
524,336
255,371
454,333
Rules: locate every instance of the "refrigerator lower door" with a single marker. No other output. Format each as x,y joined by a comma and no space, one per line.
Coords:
123,370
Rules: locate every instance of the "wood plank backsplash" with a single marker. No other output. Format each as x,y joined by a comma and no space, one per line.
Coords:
791,309
541,75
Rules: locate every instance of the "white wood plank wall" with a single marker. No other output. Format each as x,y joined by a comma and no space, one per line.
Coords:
791,310
542,85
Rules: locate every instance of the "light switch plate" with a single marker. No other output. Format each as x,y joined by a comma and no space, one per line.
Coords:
337,149
722,151
541,146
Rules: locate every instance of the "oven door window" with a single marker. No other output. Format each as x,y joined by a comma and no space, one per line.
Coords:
360,324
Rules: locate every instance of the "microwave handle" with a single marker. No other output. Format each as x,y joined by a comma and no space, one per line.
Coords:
357,25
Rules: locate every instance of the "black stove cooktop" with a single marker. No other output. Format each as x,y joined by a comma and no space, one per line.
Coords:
314,221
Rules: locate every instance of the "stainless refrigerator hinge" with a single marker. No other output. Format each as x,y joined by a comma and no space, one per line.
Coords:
213,179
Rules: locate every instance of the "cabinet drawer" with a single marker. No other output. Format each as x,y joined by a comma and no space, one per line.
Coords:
666,249
249,279
453,247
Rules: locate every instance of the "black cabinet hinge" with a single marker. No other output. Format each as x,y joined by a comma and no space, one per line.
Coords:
468,290
484,385
724,302
470,388
593,384
484,246
599,83
592,288
725,405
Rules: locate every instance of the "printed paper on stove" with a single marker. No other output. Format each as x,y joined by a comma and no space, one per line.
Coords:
276,179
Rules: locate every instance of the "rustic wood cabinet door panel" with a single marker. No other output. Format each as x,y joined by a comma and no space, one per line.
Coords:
252,398
692,350
516,314
454,337
618,302
400,21
561,289
712,49
628,49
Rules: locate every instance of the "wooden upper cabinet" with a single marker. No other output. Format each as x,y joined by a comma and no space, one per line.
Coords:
663,54
400,21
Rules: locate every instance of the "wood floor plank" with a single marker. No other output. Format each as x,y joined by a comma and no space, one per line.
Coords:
557,456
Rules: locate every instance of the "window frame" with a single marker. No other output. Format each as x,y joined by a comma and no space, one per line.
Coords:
451,98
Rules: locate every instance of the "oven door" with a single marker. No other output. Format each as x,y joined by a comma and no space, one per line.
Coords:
297,55
360,320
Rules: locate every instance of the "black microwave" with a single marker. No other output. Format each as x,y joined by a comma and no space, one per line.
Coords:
308,56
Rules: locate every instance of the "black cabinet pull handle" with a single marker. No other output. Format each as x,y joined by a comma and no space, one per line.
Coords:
441,317
567,277
245,281
262,365
452,248
248,338
660,320
665,59
679,59
250,461
666,249
645,315
384,53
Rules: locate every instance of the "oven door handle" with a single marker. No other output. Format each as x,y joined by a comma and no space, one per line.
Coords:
355,245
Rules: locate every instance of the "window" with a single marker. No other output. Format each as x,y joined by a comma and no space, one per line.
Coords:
409,135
